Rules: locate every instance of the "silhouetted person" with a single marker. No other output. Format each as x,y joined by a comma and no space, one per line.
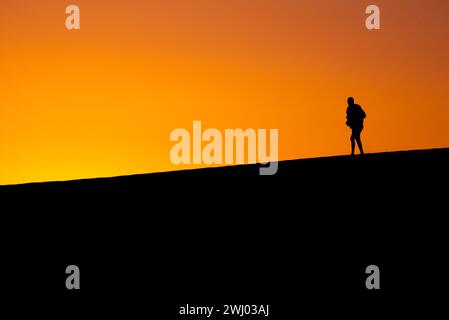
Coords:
354,119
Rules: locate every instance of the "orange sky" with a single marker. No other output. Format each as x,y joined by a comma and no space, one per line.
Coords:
103,100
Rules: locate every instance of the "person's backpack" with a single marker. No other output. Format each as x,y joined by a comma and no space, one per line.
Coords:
362,113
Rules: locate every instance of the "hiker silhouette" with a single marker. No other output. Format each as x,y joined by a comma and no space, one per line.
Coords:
354,119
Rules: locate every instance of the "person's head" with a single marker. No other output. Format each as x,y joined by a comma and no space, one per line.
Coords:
350,101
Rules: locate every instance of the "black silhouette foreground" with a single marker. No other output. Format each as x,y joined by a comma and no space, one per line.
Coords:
354,119
151,242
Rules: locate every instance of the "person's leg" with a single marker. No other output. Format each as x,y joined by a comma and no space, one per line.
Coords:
352,143
359,141
359,144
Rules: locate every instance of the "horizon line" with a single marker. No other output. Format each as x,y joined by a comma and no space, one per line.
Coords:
218,167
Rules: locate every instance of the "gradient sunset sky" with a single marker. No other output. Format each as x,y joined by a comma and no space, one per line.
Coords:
103,100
